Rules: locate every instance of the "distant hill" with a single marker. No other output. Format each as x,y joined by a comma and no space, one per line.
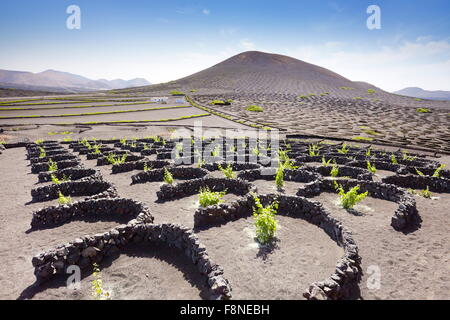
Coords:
255,72
424,94
52,80
8,92
122,84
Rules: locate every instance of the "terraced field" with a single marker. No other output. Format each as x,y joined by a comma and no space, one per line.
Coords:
94,110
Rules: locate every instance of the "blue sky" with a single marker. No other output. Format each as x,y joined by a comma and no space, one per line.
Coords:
166,40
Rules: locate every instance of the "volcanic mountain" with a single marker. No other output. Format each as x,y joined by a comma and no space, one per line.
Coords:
255,71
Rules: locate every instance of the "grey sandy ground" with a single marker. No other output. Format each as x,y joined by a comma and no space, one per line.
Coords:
212,126
137,274
160,276
133,116
58,104
17,246
61,110
413,266
305,253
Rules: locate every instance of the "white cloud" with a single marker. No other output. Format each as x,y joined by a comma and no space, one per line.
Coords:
206,12
247,44
423,63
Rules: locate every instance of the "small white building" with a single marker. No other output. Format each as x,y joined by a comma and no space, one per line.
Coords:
159,99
